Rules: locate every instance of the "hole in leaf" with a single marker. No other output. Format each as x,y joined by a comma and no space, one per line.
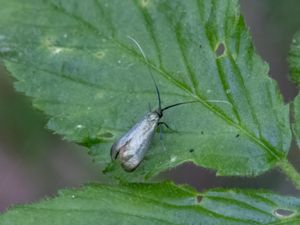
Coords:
220,50
283,212
199,198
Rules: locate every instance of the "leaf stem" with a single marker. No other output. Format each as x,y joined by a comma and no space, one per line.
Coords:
290,171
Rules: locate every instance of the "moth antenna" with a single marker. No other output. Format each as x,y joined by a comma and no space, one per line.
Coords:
182,103
177,104
150,71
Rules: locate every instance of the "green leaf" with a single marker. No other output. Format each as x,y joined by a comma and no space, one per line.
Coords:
296,124
162,203
294,66
74,58
294,59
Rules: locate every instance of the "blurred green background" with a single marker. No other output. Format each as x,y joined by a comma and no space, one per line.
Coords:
34,163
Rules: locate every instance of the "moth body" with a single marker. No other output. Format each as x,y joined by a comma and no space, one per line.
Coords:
133,145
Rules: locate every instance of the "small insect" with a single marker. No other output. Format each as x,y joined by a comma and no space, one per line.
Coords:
131,148
133,145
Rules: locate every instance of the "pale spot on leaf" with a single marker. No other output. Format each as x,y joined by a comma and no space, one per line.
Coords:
100,54
145,3
173,159
56,50
5,49
79,126
99,94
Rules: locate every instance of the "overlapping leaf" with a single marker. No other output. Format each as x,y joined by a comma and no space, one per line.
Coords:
296,125
76,60
294,59
294,63
157,204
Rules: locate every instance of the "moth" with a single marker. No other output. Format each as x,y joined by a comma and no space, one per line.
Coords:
132,146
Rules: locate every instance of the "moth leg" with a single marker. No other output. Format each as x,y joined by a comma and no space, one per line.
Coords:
160,130
149,106
167,126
